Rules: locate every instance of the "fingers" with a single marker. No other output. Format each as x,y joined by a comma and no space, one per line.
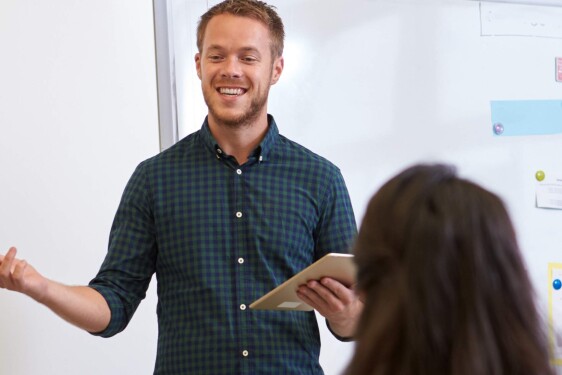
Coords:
6,261
340,291
8,266
319,296
330,290
19,270
10,251
327,296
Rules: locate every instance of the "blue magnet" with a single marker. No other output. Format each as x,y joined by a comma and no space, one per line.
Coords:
498,128
557,284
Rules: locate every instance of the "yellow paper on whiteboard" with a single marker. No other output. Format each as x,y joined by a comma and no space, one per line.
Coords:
555,310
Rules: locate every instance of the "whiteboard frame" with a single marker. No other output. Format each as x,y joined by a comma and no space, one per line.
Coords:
165,73
552,3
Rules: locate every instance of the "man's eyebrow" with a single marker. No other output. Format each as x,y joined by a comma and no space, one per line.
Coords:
250,49
216,47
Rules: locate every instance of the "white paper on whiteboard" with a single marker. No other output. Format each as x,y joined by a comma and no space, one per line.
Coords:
549,196
521,20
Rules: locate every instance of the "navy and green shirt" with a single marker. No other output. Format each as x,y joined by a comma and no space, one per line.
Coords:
219,235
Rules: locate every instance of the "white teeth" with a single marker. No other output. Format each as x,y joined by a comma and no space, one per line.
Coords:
231,91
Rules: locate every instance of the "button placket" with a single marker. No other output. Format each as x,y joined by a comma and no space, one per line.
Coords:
239,215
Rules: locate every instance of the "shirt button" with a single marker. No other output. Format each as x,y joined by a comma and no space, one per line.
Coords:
245,353
239,171
219,150
242,307
239,214
240,260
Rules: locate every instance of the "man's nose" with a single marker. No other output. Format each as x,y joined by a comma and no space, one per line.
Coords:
232,68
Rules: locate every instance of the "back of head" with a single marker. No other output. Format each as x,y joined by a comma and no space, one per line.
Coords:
445,287
257,10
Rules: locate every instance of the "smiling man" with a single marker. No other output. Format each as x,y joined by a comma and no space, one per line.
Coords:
237,65
222,217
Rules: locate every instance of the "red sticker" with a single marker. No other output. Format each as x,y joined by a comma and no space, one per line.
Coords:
559,69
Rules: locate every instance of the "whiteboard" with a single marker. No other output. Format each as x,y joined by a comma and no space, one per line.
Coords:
377,85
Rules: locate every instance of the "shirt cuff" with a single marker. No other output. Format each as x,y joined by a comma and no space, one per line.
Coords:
341,338
117,314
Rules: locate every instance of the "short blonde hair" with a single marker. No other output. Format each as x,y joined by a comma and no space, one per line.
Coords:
254,9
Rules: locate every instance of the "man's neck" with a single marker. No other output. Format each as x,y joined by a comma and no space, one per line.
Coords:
240,141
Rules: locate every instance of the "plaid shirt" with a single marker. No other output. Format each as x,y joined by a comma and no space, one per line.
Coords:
219,236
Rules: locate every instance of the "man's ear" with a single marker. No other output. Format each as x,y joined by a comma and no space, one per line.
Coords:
278,65
198,64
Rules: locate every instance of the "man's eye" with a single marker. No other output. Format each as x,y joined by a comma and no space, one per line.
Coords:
215,57
249,59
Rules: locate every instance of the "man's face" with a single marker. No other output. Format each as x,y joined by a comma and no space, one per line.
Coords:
236,70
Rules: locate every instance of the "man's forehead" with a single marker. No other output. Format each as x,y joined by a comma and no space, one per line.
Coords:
242,33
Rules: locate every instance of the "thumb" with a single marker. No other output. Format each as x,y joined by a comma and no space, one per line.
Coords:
19,271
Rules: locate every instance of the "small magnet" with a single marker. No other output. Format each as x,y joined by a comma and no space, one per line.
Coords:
557,284
539,175
498,128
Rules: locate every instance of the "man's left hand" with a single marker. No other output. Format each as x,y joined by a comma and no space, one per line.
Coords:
339,304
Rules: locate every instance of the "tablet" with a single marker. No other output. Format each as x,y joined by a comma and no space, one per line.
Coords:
284,297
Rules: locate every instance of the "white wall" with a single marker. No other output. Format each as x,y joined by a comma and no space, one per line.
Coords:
78,111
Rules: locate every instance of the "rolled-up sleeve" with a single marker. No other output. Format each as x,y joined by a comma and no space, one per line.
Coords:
131,258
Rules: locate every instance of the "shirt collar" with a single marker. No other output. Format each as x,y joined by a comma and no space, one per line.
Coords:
262,152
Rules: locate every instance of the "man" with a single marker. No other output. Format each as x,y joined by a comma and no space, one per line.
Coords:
221,217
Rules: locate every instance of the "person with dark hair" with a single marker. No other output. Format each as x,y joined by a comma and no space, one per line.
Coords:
221,218
444,284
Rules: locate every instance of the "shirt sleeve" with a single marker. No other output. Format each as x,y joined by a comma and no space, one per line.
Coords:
337,227
130,261
340,338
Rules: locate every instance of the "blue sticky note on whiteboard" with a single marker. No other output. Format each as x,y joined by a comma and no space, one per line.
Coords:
526,117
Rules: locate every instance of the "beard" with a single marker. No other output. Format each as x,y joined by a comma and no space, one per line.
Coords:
250,114
244,119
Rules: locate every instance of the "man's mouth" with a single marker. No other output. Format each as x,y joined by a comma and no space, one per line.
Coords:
231,91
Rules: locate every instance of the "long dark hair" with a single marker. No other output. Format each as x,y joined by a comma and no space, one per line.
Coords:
444,284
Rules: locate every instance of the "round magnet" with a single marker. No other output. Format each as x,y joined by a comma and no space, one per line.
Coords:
498,128
539,175
557,284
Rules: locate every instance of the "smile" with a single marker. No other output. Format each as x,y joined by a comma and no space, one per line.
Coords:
231,91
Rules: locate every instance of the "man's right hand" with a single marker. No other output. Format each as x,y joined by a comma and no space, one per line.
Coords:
19,276
79,305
